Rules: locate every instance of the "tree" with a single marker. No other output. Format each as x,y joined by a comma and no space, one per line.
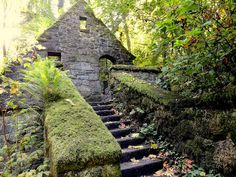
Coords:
4,26
193,39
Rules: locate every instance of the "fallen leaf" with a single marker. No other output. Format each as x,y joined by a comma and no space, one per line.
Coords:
145,158
162,154
2,91
115,111
136,147
133,160
122,126
152,156
154,146
14,88
202,173
188,163
135,135
159,173
70,101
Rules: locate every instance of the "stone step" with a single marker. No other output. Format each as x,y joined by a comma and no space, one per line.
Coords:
116,124
102,107
129,153
117,133
130,169
125,142
100,103
110,118
105,112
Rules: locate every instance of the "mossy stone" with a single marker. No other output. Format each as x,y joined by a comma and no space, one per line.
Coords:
153,92
77,138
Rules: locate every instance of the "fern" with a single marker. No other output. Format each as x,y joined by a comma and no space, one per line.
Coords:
42,80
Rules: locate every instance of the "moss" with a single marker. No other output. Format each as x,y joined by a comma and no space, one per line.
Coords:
194,148
77,137
98,171
151,91
136,68
184,130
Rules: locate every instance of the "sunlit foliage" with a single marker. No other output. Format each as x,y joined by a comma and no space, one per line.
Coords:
193,39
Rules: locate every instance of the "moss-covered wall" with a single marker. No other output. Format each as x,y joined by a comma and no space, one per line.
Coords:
150,74
79,143
206,135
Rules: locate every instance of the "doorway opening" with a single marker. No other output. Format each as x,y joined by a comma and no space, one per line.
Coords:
105,65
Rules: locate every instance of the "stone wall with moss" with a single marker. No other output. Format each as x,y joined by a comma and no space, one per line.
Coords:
149,74
79,144
81,49
207,135
23,154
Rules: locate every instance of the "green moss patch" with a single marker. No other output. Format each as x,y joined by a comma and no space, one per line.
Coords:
151,91
136,68
77,137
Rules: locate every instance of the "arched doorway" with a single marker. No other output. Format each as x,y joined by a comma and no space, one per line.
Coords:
105,64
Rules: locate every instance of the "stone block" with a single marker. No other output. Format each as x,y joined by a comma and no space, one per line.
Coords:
93,76
82,77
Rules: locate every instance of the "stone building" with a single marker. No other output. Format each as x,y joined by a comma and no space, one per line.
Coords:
79,40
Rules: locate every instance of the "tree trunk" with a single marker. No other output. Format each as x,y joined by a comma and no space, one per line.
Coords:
60,4
4,50
126,30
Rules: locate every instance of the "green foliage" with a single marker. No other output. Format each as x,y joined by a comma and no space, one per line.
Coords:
136,110
39,16
150,69
148,130
29,147
2,66
42,80
10,88
198,172
105,66
199,45
193,39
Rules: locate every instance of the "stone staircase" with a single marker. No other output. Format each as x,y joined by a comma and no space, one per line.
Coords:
132,162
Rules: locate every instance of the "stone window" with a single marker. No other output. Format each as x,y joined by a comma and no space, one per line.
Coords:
54,55
83,24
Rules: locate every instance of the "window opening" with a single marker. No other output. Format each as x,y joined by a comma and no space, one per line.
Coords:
56,56
83,23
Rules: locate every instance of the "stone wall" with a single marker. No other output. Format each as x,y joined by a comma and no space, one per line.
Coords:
14,72
9,129
148,74
24,153
81,50
206,135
